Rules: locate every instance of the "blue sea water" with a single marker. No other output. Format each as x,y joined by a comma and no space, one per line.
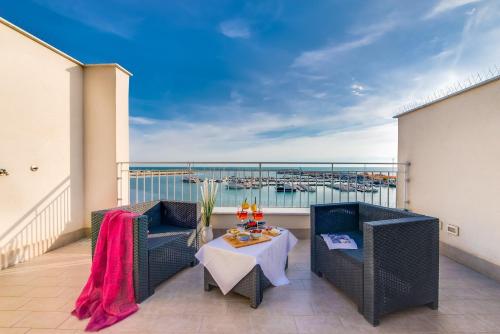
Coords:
152,186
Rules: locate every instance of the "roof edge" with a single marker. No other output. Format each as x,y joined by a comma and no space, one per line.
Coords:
118,66
461,91
39,41
56,50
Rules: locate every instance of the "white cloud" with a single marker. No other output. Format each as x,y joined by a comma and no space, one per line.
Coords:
444,6
313,93
211,141
314,57
472,54
135,120
368,35
364,130
236,97
358,89
320,95
444,54
236,28
471,12
96,15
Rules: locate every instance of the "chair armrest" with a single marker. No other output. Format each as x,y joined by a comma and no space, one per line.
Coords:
141,260
403,238
140,235
97,217
401,263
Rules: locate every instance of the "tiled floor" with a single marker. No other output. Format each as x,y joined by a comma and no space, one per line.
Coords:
37,297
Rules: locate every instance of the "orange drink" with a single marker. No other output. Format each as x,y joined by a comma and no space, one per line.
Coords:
258,215
242,215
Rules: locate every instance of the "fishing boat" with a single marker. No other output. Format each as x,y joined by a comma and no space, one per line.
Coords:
234,185
285,188
192,179
343,186
366,188
254,185
305,187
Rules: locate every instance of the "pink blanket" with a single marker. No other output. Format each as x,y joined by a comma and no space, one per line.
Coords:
108,296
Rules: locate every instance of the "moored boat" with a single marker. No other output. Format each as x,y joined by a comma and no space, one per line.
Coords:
285,188
234,185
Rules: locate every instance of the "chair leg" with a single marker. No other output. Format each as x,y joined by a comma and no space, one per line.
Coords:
433,305
373,321
139,299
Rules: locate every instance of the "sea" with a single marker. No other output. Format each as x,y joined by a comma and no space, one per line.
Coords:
152,185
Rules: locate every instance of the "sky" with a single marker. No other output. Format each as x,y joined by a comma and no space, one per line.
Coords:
276,80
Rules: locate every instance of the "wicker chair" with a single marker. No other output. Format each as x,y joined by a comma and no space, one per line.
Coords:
165,241
396,265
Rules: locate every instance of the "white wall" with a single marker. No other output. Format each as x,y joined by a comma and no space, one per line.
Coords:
41,123
122,135
70,120
106,134
454,150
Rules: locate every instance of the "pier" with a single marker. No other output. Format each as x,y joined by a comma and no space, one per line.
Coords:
159,172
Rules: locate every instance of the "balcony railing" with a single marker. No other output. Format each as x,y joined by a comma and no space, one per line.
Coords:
270,184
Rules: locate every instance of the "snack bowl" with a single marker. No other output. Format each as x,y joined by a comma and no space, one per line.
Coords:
233,233
243,236
274,232
256,233
251,224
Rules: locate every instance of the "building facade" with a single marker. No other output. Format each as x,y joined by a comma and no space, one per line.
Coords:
63,127
453,146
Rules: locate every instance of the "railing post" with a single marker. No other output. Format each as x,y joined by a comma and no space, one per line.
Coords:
331,182
151,189
119,183
406,182
260,184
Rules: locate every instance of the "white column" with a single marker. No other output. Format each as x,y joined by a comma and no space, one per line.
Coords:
106,136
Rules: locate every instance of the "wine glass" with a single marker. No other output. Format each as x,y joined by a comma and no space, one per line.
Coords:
242,215
258,215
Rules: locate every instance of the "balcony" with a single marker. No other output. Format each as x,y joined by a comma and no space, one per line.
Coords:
284,190
49,191
36,297
270,184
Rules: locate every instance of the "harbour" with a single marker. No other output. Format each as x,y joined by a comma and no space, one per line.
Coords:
270,187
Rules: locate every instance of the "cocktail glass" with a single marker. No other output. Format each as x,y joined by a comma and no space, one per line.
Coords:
258,215
242,215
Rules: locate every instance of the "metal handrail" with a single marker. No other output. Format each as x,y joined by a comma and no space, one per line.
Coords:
332,181
262,162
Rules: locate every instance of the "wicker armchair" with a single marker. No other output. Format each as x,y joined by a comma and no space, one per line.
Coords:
396,265
165,241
